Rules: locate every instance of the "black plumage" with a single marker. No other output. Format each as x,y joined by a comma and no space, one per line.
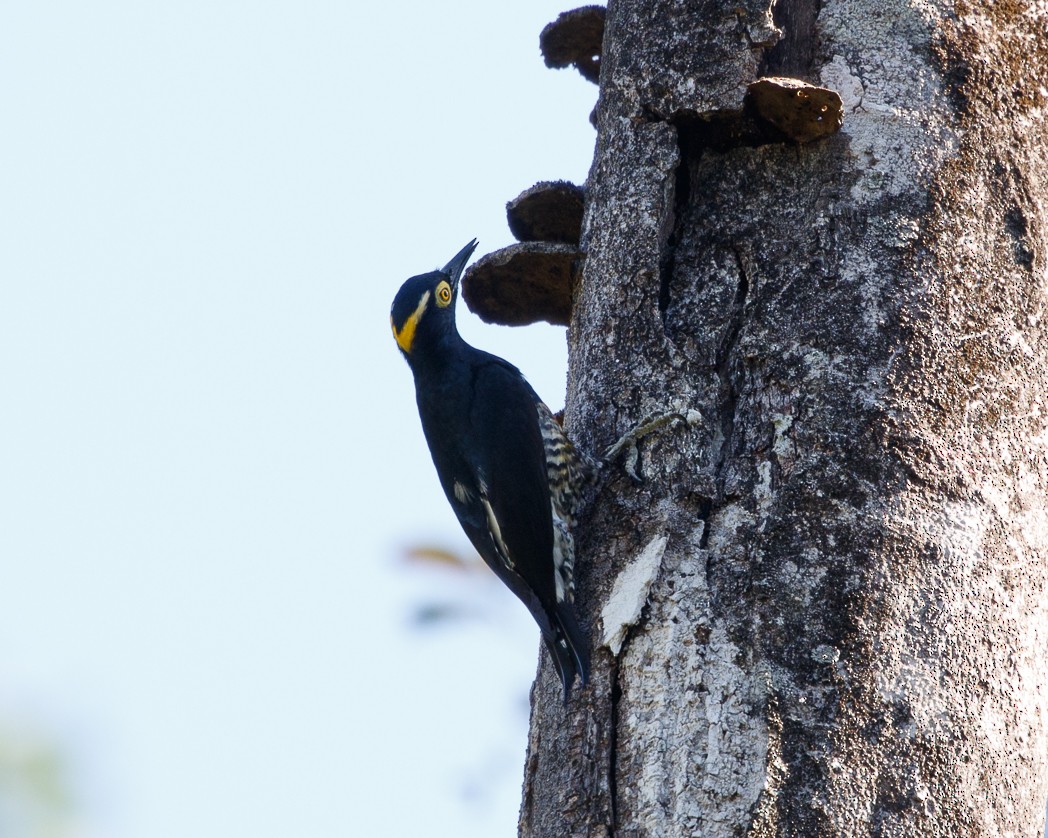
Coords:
509,472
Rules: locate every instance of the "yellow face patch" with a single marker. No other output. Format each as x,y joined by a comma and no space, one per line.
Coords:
406,334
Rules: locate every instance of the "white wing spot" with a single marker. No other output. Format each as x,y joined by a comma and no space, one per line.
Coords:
462,494
496,533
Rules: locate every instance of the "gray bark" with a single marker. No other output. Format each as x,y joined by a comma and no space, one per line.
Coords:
830,590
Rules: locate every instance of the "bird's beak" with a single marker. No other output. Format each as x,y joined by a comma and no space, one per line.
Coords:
453,269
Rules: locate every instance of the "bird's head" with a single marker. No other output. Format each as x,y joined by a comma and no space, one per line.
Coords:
423,313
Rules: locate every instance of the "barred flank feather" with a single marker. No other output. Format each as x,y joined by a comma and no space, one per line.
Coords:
568,473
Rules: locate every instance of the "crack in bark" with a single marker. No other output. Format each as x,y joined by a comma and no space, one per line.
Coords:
728,394
530,769
613,728
705,509
681,199
613,736
794,54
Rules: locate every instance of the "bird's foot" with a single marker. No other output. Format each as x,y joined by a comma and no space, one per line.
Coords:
649,425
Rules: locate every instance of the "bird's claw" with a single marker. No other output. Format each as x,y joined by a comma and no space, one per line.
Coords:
649,425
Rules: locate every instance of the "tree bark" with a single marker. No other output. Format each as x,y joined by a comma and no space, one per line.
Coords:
830,587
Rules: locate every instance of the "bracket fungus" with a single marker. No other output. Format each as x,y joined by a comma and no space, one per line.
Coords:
548,211
575,39
523,283
774,110
801,111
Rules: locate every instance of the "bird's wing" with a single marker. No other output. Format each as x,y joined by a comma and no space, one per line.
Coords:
510,464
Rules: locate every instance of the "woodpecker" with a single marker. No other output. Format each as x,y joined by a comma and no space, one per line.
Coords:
510,473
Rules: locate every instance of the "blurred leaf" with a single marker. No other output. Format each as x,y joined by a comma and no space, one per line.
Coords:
34,798
431,556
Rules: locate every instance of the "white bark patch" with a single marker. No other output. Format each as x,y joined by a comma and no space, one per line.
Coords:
781,444
630,592
706,754
762,489
838,76
889,93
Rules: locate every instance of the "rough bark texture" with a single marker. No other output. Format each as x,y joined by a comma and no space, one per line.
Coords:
847,619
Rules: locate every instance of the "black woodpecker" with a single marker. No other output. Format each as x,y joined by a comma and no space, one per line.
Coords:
506,466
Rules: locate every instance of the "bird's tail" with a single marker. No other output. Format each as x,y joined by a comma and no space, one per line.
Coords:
568,647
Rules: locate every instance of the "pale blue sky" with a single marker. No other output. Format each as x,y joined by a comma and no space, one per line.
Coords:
209,452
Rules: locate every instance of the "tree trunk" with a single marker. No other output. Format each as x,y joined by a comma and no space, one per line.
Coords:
831,584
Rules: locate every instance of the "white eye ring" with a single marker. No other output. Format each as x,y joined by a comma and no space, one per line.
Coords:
444,294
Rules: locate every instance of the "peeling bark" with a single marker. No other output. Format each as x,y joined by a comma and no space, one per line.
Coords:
846,624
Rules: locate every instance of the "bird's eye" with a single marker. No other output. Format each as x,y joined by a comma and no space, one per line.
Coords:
443,294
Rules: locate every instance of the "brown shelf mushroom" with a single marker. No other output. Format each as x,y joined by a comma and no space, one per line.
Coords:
575,39
774,110
548,211
801,111
523,283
